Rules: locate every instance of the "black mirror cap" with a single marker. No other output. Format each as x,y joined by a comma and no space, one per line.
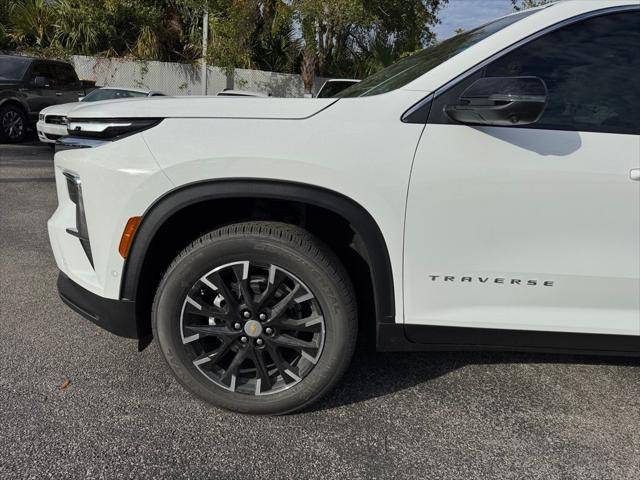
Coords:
501,101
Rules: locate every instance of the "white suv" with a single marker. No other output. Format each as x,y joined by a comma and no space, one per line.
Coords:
481,194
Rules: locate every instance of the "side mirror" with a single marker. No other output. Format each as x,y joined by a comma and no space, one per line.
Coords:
501,101
41,82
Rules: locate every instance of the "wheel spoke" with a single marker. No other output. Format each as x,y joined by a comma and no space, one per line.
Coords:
294,343
280,307
281,364
311,324
234,366
208,311
219,331
212,357
241,273
261,369
223,288
276,277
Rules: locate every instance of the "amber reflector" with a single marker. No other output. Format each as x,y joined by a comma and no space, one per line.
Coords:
127,235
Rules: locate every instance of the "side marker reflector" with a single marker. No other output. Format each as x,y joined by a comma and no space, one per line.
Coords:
127,235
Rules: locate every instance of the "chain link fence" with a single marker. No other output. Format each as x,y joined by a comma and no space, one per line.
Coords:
186,79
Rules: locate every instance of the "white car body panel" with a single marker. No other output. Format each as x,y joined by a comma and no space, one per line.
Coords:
536,205
119,180
208,107
466,214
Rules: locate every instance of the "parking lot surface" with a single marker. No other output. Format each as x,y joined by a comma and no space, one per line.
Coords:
418,415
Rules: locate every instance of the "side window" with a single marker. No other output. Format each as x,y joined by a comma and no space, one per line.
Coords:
592,72
65,76
42,70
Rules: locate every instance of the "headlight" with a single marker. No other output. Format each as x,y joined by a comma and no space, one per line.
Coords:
108,128
41,117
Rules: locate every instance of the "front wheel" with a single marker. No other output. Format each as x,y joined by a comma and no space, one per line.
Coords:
257,318
13,124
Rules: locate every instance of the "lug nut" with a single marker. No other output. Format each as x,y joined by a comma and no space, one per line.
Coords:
259,341
237,326
268,330
246,314
262,316
244,339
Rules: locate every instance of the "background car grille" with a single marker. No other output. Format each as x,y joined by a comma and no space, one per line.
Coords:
57,119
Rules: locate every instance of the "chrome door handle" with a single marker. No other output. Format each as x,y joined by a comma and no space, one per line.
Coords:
58,94
635,174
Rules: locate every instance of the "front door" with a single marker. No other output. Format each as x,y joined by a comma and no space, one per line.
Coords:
42,96
535,228
67,83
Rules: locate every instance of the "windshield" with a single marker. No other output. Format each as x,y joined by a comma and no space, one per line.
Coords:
332,88
13,68
416,65
111,94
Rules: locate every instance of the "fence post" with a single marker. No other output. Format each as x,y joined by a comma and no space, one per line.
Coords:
205,42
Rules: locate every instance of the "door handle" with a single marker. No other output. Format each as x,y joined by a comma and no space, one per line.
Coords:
58,94
635,174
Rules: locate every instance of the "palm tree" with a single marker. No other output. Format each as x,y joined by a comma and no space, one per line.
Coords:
31,22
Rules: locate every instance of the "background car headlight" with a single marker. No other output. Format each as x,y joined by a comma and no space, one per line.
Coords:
41,117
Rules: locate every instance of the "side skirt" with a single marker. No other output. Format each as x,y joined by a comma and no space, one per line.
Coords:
403,338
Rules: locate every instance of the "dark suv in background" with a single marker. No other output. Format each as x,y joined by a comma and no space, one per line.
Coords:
27,85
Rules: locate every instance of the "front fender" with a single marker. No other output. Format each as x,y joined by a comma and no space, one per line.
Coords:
361,221
12,96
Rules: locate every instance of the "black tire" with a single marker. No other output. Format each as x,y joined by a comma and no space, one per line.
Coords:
13,124
303,265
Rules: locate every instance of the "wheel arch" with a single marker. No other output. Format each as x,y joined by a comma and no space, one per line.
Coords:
14,101
370,238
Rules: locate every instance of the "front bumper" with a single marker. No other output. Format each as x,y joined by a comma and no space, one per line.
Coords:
115,316
50,132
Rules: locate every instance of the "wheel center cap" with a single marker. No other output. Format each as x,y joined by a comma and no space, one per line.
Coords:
253,328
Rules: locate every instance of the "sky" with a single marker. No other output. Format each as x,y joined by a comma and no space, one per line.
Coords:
468,14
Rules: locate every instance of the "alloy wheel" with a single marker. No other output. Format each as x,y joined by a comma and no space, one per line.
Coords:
12,124
252,329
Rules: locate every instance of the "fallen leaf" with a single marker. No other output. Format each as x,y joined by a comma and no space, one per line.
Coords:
64,384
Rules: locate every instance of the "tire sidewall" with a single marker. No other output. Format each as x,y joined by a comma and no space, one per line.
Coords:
339,328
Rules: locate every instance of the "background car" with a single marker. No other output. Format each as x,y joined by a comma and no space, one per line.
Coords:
52,121
27,85
228,92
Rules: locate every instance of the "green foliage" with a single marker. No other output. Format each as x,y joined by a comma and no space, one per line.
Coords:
32,23
275,45
5,9
350,38
232,23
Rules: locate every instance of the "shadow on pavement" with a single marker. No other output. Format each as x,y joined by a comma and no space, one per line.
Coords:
372,375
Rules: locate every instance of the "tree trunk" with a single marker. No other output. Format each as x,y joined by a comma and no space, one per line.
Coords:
308,69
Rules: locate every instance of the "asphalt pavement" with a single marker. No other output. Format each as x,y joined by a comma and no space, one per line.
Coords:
413,416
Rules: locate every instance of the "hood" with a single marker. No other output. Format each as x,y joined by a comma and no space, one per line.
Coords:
6,83
204,107
62,109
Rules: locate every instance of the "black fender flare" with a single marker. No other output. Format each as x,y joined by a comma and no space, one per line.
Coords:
17,101
360,219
